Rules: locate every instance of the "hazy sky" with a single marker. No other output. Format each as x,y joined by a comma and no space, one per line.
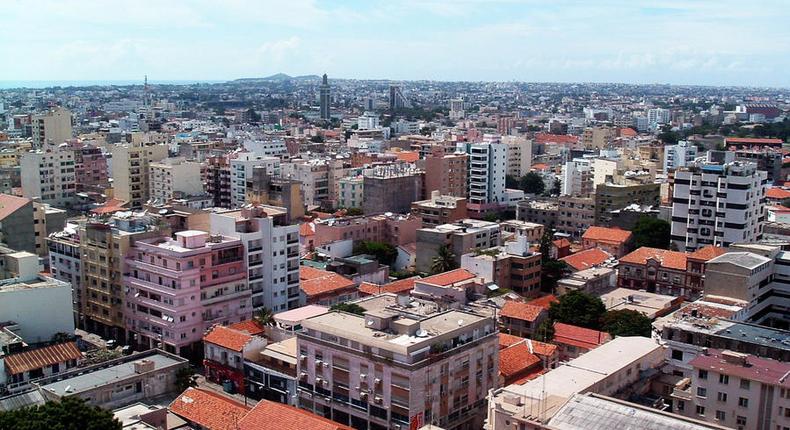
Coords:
673,41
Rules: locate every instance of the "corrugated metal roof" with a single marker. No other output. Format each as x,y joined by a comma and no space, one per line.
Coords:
41,357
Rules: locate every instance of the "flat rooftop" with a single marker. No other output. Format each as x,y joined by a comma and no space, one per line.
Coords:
86,379
14,284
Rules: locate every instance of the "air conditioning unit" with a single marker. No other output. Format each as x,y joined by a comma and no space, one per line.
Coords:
362,376
303,375
377,381
318,362
303,357
325,364
378,399
363,396
357,388
318,380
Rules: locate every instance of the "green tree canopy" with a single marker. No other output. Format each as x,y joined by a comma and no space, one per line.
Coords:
551,272
444,260
652,232
579,309
626,322
71,413
545,331
384,252
352,308
353,211
532,183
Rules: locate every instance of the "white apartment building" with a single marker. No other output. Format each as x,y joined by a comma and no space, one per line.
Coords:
351,192
657,116
679,155
577,178
368,121
268,148
172,176
487,171
53,127
403,364
48,174
319,178
718,204
241,171
519,155
64,262
271,249
130,169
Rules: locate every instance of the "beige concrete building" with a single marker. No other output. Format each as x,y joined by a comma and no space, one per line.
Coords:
519,155
46,220
613,368
460,237
402,364
48,174
52,127
172,177
575,215
598,137
446,173
131,170
440,209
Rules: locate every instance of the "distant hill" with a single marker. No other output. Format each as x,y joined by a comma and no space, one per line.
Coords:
280,77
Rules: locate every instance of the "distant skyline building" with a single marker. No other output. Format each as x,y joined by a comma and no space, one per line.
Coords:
397,99
324,92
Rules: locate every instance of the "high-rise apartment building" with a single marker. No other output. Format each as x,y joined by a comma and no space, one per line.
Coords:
446,173
657,116
176,289
324,98
678,155
241,166
48,174
718,203
53,127
487,169
397,99
271,249
391,188
131,169
519,155
90,166
218,180
403,364
174,177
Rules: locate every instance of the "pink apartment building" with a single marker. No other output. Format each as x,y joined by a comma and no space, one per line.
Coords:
395,229
177,289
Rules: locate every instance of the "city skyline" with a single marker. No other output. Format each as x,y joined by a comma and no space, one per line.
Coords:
684,43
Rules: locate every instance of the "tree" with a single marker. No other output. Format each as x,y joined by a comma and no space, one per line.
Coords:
668,136
532,183
264,317
652,232
579,309
545,246
626,322
185,378
351,308
444,260
545,331
384,252
353,211
317,139
550,272
555,187
786,203
512,182
70,413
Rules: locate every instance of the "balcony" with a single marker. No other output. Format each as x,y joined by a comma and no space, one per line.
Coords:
141,283
225,297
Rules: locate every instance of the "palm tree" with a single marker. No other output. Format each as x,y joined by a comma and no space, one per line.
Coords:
444,260
264,317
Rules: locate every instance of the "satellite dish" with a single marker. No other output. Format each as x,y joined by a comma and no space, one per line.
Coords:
460,322
421,333
369,322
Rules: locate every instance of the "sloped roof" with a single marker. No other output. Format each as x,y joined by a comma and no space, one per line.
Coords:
544,301
521,311
515,359
777,193
267,415
395,287
449,278
579,336
669,259
41,357
586,259
506,340
607,234
707,252
251,327
209,410
227,337
317,281
10,204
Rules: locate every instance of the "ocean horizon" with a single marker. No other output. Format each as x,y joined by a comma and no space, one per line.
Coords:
87,83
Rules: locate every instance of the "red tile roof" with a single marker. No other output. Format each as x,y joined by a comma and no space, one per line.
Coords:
586,259
396,287
542,349
521,311
268,415
210,410
540,166
227,337
707,252
407,156
561,243
41,357
753,140
515,359
777,193
250,327
110,206
608,235
765,370
579,336
627,132
316,281
10,204
668,259
447,279
305,229
544,301
506,340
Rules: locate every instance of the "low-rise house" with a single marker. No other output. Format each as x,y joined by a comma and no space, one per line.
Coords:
225,350
654,270
272,373
454,287
521,319
594,280
19,369
574,341
651,305
325,288
517,364
401,286
615,241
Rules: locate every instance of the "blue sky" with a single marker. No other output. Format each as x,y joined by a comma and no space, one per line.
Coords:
714,42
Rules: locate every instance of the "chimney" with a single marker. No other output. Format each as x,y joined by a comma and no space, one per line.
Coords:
733,357
143,366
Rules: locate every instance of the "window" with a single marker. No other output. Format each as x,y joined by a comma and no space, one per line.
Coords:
740,421
677,354
724,379
743,402
720,415
745,384
702,374
701,410
722,397
701,392
681,405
